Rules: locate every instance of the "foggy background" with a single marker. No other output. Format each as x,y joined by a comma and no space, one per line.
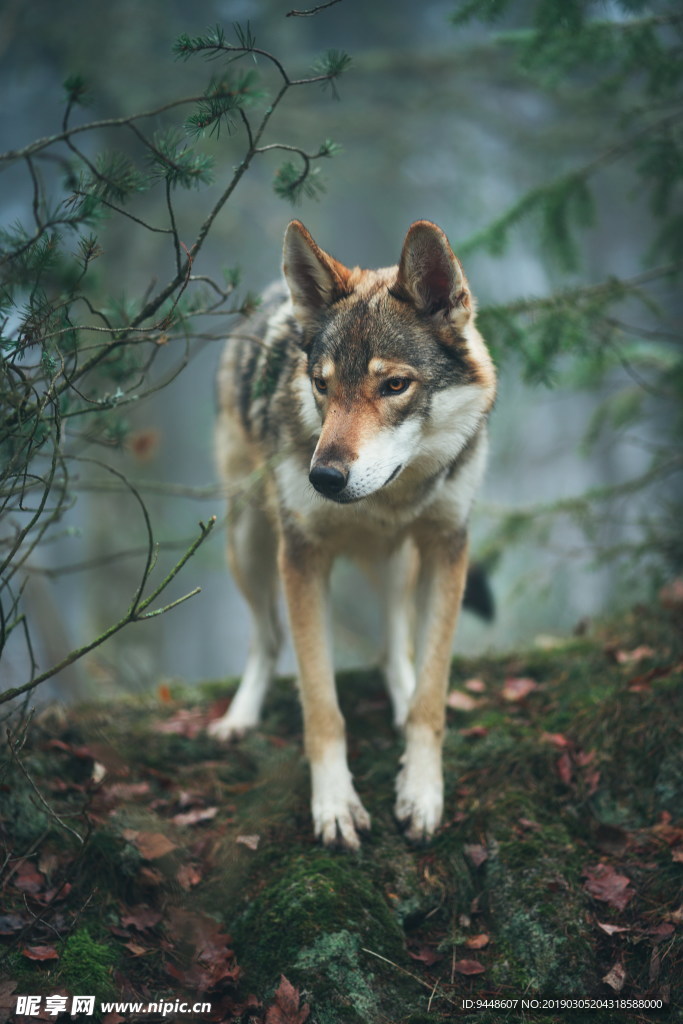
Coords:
434,124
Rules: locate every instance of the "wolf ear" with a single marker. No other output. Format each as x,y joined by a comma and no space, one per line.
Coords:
430,275
315,279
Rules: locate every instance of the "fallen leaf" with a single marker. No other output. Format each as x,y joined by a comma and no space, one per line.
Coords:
564,768
252,842
528,825
136,949
140,917
662,931
461,701
592,781
477,732
188,722
210,960
467,967
151,845
125,790
40,953
478,941
476,853
150,876
195,816
426,955
557,740
187,876
475,685
605,884
611,929
676,915
671,595
677,854
81,752
637,654
27,878
286,1008
516,689
7,998
616,977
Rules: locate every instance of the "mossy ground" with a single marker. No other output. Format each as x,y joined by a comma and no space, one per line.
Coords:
583,773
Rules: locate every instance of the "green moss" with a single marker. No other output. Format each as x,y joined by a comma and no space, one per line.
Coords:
332,965
317,894
535,898
86,966
110,865
18,805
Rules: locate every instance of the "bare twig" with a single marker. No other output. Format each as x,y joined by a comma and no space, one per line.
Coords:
312,10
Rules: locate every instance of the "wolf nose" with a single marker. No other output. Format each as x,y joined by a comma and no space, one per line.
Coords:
327,480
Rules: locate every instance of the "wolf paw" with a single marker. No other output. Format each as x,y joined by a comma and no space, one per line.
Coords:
228,729
337,820
419,804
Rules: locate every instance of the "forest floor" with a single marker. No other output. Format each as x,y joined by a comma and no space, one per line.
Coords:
146,863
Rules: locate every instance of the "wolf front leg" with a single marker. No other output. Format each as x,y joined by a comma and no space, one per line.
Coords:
441,585
335,806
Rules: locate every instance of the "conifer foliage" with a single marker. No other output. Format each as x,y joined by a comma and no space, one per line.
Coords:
624,62
73,353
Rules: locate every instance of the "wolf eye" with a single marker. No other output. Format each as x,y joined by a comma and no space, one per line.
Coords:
320,385
395,385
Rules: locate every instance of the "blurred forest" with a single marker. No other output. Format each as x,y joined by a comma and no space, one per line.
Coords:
554,173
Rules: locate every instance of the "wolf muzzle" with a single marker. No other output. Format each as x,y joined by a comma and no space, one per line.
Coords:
328,480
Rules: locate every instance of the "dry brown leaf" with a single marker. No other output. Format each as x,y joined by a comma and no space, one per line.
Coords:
140,917
187,722
188,875
468,967
557,740
478,941
607,885
136,949
27,878
164,693
476,853
637,654
40,953
516,689
461,701
195,816
671,595
151,845
611,929
564,768
616,977
7,999
286,1009
252,842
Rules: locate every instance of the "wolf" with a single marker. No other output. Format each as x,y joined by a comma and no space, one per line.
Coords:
354,403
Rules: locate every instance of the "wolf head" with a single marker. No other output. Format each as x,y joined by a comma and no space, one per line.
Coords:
399,374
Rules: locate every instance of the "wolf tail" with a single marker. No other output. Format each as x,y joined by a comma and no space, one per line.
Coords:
478,594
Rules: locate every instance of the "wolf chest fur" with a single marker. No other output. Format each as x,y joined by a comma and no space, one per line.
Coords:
352,422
